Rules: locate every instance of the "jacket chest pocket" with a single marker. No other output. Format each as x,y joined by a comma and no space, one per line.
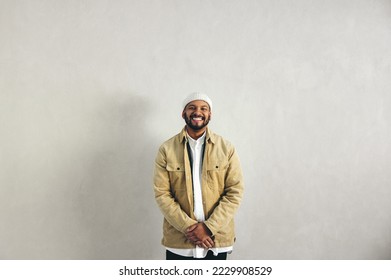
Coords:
177,175
216,174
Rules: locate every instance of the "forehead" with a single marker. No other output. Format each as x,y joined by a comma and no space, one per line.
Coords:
198,103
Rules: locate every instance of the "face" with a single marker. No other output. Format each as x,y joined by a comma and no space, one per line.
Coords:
197,114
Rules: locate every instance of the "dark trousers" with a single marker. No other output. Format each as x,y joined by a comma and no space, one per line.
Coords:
209,256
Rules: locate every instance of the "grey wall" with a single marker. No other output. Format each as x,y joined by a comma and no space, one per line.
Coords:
90,89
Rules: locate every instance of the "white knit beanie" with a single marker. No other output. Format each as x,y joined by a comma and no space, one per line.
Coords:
197,96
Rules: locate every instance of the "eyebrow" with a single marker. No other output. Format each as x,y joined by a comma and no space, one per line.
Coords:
203,106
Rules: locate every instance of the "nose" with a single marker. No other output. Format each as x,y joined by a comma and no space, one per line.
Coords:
197,110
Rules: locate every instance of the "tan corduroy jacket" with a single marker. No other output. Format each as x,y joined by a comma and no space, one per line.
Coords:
222,189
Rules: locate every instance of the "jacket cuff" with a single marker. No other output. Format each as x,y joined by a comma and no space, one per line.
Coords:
210,227
186,224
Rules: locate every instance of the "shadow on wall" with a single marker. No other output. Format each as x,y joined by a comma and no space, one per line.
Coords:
114,201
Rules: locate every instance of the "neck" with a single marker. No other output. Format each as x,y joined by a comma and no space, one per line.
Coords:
195,134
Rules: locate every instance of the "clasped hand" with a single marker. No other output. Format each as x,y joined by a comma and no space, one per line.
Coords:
200,235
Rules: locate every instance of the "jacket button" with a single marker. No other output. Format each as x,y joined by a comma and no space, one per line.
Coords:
217,166
178,168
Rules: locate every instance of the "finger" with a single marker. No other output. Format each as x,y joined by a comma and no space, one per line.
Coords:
191,236
203,245
191,228
194,240
208,243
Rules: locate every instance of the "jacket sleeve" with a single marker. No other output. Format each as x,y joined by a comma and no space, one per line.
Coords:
168,206
231,198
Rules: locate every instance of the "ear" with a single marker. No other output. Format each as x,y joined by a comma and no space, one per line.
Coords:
183,114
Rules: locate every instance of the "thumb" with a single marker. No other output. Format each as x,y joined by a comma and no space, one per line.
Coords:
191,228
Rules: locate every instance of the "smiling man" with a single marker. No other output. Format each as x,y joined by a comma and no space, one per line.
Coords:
198,187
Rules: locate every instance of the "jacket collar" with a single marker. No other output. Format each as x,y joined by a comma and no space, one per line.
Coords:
209,136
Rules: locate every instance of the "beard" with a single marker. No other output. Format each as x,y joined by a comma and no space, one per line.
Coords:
196,127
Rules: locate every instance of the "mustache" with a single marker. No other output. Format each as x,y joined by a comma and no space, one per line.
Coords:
197,116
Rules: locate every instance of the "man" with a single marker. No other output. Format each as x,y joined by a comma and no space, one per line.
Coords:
198,186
